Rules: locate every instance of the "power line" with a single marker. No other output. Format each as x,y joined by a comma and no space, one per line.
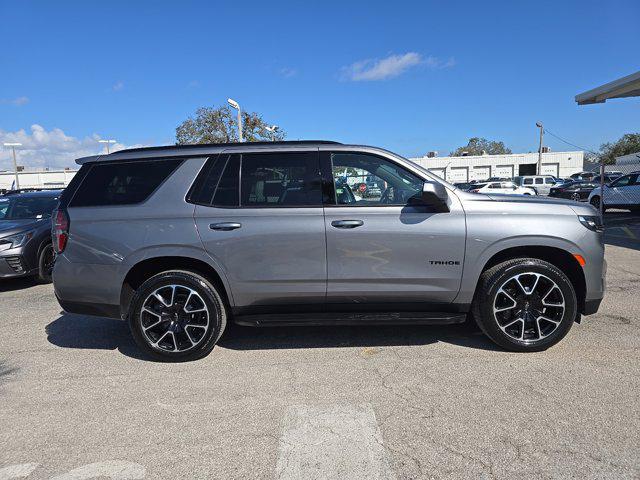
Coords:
569,143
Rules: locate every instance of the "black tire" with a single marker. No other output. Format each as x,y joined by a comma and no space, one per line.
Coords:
499,276
184,280
46,258
595,201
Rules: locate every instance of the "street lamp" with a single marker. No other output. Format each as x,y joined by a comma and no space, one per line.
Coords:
236,105
539,125
272,129
107,142
15,163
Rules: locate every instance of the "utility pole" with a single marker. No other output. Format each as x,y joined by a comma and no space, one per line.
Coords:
236,105
539,125
15,163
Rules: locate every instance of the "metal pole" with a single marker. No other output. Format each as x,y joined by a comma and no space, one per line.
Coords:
240,125
602,187
15,168
540,151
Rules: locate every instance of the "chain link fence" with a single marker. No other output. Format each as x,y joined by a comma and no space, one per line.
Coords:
621,193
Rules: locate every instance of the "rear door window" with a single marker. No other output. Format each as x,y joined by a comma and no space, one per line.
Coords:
539,181
283,179
122,183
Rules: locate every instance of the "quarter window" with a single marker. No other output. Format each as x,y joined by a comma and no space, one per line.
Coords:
528,181
122,183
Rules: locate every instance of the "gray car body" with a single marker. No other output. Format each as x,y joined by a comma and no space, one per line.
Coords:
292,256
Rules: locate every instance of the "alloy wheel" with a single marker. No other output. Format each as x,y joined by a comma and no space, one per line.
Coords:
529,307
575,196
174,318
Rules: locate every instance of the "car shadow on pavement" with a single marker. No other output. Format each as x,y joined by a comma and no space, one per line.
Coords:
13,284
622,229
85,332
250,338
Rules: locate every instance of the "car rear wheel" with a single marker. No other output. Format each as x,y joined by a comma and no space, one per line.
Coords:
525,304
177,316
576,197
46,258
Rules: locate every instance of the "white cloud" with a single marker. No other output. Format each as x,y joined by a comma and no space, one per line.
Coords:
50,148
288,72
18,101
119,85
390,67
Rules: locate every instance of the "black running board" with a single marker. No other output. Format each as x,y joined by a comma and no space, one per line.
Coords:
350,318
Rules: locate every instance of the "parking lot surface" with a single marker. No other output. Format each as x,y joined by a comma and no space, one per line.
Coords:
77,401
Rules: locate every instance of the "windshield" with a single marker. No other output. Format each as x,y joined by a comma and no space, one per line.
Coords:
18,208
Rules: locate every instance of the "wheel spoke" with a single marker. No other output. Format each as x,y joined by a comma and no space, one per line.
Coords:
541,313
174,309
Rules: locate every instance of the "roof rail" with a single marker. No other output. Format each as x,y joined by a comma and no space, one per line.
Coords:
229,144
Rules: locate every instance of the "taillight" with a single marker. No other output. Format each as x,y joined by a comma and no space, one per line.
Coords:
60,230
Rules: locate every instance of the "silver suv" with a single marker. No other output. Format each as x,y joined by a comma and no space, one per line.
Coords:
181,240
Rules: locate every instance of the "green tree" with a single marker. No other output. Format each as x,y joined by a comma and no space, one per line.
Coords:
219,125
476,145
628,143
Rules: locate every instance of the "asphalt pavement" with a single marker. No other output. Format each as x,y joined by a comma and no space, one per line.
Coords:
77,401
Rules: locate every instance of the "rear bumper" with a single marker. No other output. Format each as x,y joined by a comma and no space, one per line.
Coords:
94,309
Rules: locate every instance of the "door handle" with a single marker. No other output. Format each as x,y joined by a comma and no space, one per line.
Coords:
347,223
225,226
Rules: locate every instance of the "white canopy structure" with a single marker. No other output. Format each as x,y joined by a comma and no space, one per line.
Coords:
628,86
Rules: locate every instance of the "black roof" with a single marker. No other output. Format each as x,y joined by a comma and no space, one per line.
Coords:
229,144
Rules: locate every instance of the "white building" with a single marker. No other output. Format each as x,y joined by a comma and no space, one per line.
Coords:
482,167
36,179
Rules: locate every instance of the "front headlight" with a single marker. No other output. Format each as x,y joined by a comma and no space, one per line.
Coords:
593,223
14,241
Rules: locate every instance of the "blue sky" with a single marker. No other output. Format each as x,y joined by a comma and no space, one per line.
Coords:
408,76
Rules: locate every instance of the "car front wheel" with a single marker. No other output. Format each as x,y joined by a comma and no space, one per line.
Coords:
177,316
525,304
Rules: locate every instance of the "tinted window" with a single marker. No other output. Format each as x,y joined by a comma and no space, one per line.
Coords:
549,180
227,194
280,179
622,181
394,184
539,181
528,181
495,185
206,183
16,208
122,183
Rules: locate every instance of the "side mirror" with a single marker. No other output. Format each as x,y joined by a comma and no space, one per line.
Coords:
434,194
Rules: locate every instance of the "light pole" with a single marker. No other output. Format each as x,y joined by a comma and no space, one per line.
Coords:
107,142
236,105
15,163
539,125
272,129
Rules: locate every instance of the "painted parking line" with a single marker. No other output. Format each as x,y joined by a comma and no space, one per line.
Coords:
331,442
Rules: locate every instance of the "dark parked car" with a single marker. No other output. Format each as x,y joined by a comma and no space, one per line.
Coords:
578,190
25,234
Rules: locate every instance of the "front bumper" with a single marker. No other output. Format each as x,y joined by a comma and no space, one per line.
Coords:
13,266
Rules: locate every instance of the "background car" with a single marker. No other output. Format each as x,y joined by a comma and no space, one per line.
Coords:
540,183
507,188
577,190
25,234
623,192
